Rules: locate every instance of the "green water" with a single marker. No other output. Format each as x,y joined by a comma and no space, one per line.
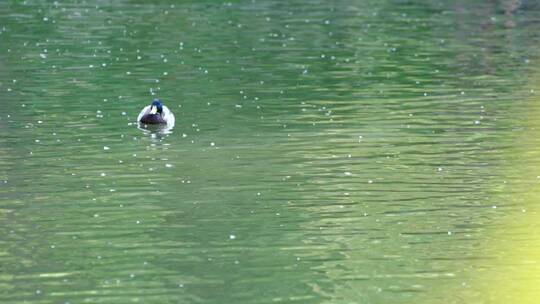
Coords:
324,151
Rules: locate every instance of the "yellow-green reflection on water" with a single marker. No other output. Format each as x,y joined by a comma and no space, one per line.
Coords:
343,152
513,274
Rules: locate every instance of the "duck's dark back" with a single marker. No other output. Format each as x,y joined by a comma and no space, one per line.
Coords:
152,119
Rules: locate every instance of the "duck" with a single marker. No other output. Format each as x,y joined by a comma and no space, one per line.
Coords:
156,114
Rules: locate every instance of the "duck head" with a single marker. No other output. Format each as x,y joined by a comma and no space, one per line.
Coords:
156,107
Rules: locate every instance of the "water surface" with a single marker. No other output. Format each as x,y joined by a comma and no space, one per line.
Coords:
343,152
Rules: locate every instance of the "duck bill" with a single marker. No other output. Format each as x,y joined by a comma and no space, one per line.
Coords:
153,110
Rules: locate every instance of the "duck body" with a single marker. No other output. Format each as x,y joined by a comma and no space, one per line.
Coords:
156,114
152,119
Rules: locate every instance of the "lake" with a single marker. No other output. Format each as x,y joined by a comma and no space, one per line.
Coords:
324,152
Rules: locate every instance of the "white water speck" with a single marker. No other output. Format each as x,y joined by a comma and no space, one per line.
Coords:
232,237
